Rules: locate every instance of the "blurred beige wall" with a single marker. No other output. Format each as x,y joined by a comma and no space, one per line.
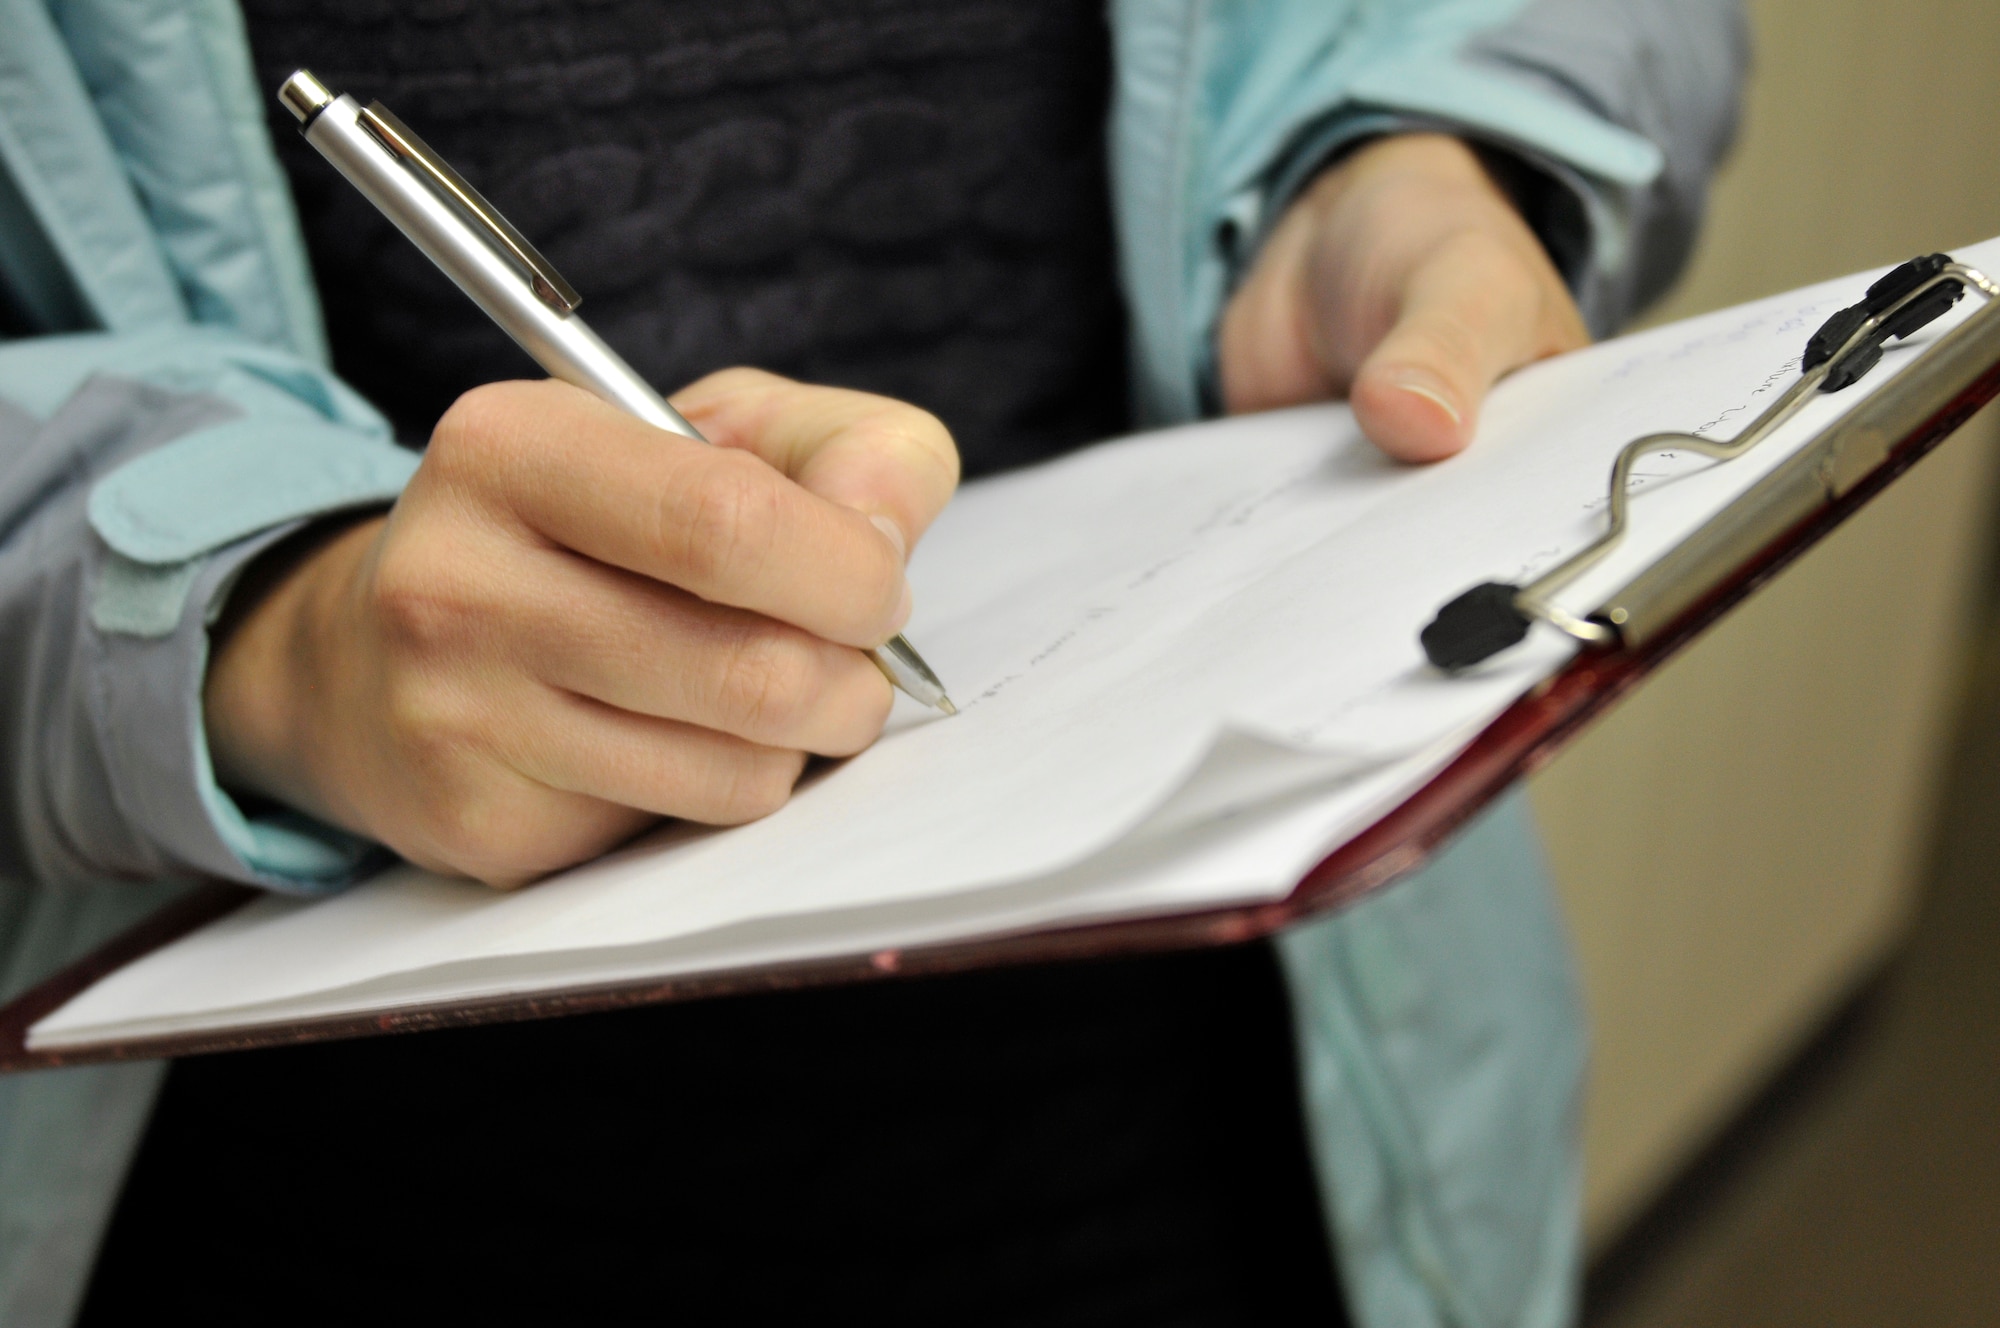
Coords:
1738,843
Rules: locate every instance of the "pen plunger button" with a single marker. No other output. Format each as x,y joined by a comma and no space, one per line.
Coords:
304,96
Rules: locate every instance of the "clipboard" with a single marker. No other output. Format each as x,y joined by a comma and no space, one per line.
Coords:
1665,608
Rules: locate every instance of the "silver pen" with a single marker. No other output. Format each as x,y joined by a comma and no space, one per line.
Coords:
503,274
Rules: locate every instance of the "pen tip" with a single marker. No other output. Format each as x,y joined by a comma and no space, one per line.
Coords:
944,704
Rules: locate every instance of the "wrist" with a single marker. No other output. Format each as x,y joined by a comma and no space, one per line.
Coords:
269,688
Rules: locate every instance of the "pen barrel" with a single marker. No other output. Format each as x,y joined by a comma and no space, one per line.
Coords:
562,344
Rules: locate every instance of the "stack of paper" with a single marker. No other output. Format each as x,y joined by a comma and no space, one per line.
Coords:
1187,667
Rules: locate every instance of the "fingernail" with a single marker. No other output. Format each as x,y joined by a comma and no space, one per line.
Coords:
894,532
903,610
1418,383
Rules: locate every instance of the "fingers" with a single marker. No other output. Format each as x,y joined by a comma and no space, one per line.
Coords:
880,457
658,766
634,645
1267,352
571,622
566,778
718,522
447,598
569,778
1470,312
508,837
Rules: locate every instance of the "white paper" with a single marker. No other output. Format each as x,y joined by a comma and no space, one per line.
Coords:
1187,667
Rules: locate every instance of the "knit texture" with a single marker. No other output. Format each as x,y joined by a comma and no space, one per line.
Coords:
907,196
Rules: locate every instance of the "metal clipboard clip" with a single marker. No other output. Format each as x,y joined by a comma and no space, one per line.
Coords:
1494,616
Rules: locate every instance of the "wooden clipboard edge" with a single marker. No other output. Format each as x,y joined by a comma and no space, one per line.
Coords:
1520,741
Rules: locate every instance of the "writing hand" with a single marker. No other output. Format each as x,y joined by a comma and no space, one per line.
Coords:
1404,279
572,623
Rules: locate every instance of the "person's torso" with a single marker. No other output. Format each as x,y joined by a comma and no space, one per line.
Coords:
908,197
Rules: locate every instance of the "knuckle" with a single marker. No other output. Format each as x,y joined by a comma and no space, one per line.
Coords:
769,685
473,423
418,612
759,783
434,728
725,529
468,811
445,814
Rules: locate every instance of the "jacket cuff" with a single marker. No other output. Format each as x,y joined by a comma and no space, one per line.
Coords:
149,712
175,525
1598,161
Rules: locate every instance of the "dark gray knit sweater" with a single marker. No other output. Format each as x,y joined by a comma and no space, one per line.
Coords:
907,196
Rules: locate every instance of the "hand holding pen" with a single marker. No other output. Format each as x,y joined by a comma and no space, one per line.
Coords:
572,622
505,275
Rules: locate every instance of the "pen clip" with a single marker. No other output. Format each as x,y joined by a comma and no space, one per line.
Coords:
394,135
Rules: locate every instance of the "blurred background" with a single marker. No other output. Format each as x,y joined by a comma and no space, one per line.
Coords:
1779,858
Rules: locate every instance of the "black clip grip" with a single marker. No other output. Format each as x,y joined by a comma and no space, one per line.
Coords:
1478,624
1880,297
1488,618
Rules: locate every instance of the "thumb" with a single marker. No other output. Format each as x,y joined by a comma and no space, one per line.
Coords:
1472,311
892,462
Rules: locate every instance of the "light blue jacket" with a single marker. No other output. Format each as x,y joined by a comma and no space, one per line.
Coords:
166,412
